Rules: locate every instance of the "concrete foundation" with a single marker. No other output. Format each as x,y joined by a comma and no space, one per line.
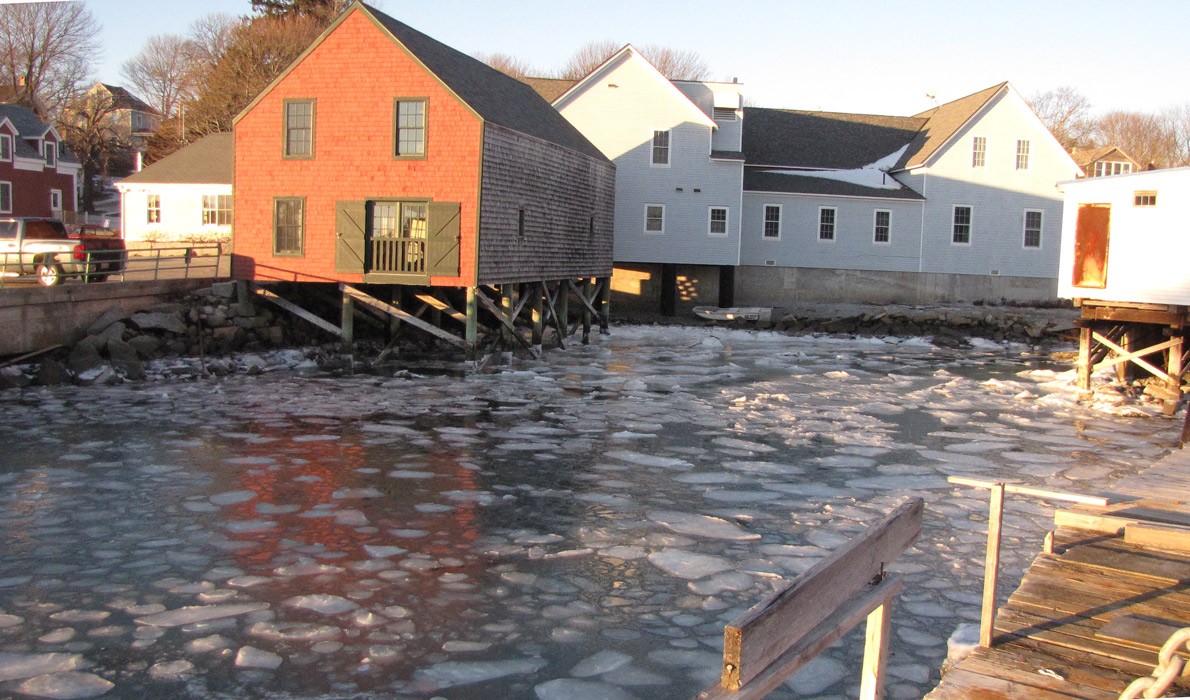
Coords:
35,318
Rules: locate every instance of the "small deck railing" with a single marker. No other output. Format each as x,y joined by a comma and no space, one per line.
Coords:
769,643
405,256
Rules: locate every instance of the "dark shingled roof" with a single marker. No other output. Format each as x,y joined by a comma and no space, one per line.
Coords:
210,161
943,122
771,180
122,99
496,97
28,126
1086,157
828,140
550,89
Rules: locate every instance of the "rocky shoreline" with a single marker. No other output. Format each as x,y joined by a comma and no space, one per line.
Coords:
211,333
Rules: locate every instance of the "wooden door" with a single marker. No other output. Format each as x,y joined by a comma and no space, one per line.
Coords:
350,233
1090,245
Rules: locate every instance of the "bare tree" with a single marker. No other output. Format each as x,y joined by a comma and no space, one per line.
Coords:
321,10
1150,139
1067,114
506,64
1179,121
164,71
211,36
45,51
674,64
88,127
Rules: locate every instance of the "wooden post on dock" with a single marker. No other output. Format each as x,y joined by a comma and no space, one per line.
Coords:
605,304
1084,356
472,332
991,570
347,318
538,292
584,291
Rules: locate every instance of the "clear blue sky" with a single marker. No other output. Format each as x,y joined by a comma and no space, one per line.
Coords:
873,56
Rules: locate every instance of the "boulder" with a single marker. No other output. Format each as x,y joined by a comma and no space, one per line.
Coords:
98,375
108,318
52,373
146,346
12,378
124,359
84,356
170,321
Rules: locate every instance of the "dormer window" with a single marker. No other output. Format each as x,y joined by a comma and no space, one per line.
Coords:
6,148
50,151
661,147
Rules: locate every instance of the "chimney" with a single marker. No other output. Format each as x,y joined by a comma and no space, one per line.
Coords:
140,161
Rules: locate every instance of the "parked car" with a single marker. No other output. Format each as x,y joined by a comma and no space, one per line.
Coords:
43,247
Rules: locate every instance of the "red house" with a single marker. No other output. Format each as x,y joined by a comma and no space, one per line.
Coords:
385,161
38,173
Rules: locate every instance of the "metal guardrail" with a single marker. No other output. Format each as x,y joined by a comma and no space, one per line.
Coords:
176,262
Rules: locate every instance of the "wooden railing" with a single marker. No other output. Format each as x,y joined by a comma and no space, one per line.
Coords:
991,564
406,256
769,643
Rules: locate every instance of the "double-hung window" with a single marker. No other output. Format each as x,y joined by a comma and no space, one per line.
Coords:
826,223
410,136
661,147
6,148
50,150
772,221
1022,155
961,231
289,223
299,128
979,151
882,226
216,210
717,225
153,208
1033,228
56,200
654,218
5,197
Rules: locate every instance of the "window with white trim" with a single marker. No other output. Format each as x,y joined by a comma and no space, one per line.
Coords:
717,224
979,151
1144,198
6,148
826,223
50,151
153,209
1022,154
1033,219
1104,168
772,221
961,231
654,218
56,200
661,147
5,197
216,210
881,226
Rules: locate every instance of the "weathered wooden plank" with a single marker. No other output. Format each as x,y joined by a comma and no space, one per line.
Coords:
1069,632
1075,667
505,321
1145,633
1173,538
758,637
1158,565
962,684
438,304
1029,491
1077,578
818,640
409,318
298,311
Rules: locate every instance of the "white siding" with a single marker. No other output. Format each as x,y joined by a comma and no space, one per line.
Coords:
181,213
853,247
618,111
998,194
1148,246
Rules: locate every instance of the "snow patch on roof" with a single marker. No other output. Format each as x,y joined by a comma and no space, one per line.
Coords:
874,175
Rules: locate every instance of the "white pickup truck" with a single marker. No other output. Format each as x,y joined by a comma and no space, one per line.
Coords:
43,247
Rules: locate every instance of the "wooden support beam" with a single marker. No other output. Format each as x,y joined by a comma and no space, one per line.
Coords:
298,311
1029,491
364,298
347,317
872,673
442,307
553,308
538,294
472,318
991,567
505,322
1084,357
760,636
588,310
605,304
1135,357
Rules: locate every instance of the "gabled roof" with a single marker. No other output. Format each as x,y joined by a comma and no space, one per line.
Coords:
122,99
550,89
208,161
28,126
826,140
627,53
495,97
943,122
1088,156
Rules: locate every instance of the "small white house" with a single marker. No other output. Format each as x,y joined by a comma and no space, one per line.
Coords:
185,197
1124,238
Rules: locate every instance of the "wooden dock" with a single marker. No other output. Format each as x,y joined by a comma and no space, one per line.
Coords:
1091,615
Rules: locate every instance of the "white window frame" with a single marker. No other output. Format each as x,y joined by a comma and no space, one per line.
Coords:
49,151
1144,198
213,212
876,226
667,149
711,221
6,146
55,200
834,224
764,222
5,185
649,231
979,152
1040,229
1022,154
150,209
954,223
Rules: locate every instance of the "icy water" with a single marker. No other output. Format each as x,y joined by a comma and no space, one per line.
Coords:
581,527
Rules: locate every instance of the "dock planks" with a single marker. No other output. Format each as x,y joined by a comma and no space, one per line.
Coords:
1089,618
